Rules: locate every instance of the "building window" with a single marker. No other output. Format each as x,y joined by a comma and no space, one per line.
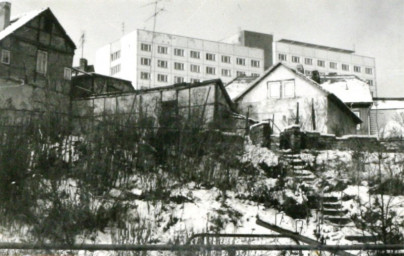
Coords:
358,114
195,55
255,63
162,64
145,47
320,63
288,89
195,68
162,49
226,72
193,80
278,90
5,57
240,73
41,62
295,59
308,61
145,75
357,69
274,89
240,61
115,55
369,71
162,78
179,52
115,69
67,74
307,72
178,66
226,59
333,65
255,74
178,79
210,70
345,67
282,57
370,82
210,56
145,61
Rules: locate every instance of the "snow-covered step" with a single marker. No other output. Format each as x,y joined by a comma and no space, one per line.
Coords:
362,239
291,156
334,212
306,178
342,221
299,167
303,172
296,162
330,205
331,199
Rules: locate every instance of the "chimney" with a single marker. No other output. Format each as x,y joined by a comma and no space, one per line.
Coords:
315,76
5,10
83,64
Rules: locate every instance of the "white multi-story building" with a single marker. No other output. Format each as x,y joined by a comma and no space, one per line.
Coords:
151,59
325,60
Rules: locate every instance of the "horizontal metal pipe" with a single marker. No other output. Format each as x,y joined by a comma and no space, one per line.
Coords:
167,247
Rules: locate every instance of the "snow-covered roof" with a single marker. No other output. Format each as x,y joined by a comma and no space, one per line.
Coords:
238,85
349,90
389,104
19,21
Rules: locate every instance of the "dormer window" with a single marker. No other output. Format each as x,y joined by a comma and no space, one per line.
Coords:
5,57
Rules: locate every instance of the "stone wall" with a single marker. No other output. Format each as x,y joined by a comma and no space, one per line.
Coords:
293,138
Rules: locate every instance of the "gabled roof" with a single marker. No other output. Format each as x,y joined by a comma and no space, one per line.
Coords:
330,95
238,85
19,21
349,89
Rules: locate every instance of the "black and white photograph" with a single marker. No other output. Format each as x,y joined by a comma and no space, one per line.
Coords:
202,127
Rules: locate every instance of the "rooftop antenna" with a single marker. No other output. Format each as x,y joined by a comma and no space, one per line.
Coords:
82,41
156,12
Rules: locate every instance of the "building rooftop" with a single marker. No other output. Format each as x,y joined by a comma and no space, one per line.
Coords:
349,89
238,85
389,103
316,46
20,20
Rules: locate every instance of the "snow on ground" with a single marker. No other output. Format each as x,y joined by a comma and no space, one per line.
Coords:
256,155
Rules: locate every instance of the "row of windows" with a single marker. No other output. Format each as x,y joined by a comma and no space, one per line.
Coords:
197,55
115,55
181,66
179,79
115,69
41,63
321,63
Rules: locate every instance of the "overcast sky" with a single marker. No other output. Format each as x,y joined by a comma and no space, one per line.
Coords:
372,27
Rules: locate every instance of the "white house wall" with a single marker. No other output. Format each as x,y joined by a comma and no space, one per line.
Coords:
261,107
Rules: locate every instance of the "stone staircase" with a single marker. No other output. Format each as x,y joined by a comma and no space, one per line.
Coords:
299,169
332,211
